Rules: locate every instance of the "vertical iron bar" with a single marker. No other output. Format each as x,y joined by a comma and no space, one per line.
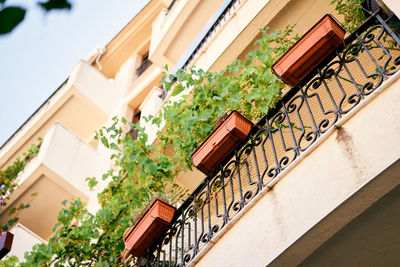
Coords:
371,57
176,245
223,197
337,110
170,250
232,196
239,178
259,184
285,111
195,242
209,208
269,126
343,59
388,29
309,111
183,238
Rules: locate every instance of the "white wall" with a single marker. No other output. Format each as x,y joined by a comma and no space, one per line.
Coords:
72,159
24,240
96,87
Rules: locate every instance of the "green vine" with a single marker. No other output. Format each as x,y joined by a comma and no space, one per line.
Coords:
353,15
249,87
9,184
142,171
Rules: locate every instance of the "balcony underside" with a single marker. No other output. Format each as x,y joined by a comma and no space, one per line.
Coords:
41,216
371,239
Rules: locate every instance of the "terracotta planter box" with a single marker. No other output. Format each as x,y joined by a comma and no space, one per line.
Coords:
221,142
321,40
150,226
6,240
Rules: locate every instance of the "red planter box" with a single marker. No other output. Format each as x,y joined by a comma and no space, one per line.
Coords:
222,142
6,240
151,225
322,39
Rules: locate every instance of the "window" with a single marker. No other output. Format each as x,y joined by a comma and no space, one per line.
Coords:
145,64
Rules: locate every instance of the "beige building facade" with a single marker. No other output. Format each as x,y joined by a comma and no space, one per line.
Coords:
332,199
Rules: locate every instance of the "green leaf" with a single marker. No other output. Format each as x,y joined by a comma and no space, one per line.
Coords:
10,17
177,89
55,4
131,169
12,211
157,121
92,182
115,147
104,141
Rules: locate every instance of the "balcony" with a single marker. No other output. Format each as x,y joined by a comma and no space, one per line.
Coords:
325,157
24,240
82,104
56,174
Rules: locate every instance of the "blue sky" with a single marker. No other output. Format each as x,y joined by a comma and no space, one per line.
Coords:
40,53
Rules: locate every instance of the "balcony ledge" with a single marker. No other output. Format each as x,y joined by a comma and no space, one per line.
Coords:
83,104
57,173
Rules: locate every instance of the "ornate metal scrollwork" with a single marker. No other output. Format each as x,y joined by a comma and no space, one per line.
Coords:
370,56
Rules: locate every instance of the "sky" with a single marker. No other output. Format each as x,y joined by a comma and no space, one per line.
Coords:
38,56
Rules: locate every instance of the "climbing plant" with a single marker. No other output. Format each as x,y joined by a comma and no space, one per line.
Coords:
8,183
249,87
351,10
142,170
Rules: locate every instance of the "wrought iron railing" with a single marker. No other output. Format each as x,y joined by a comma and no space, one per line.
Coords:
367,58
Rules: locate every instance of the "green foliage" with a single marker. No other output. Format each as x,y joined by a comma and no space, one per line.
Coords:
141,171
351,11
81,238
12,16
9,261
55,4
9,184
249,87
